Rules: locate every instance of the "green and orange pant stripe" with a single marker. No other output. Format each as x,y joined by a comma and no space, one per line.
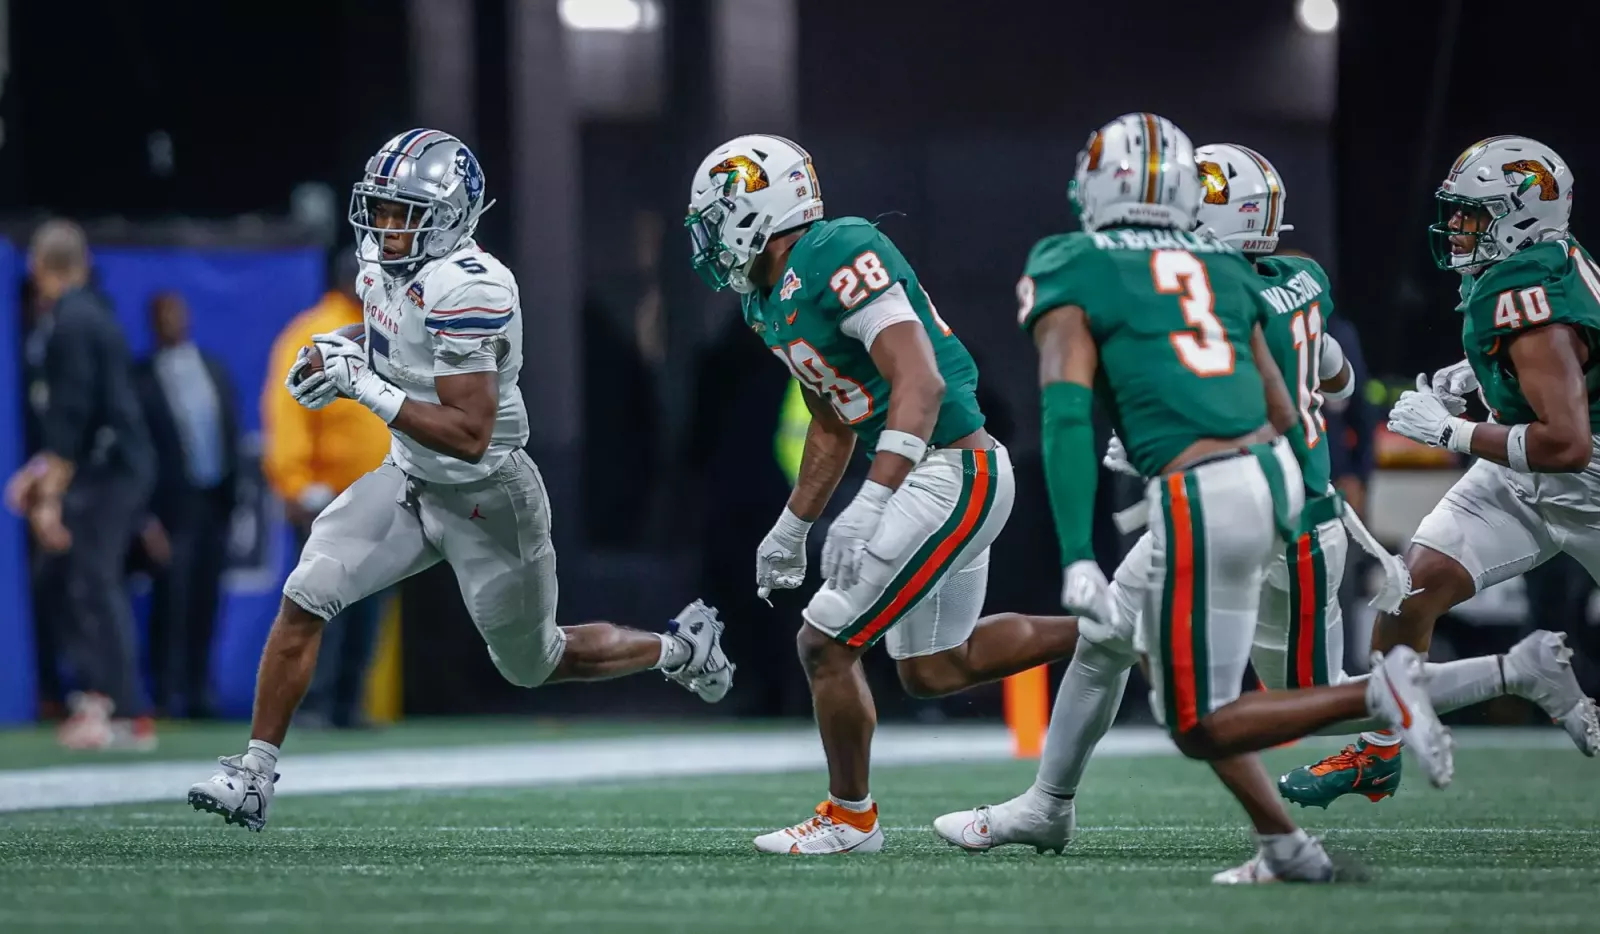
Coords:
1306,652
936,556
1184,648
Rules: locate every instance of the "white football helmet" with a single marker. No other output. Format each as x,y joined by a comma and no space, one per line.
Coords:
1137,169
747,191
1241,198
1503,194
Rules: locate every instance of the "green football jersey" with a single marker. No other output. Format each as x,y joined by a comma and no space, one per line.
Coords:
1171,314
1546,283
836,269
1302,304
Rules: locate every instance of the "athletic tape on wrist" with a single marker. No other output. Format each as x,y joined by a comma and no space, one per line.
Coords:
903,443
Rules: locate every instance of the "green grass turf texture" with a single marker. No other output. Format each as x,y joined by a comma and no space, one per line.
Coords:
1513,846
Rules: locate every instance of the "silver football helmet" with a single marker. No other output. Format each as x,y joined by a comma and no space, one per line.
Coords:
1137,169
1242,198
1503,194
439,182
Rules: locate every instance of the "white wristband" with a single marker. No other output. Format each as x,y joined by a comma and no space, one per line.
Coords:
385,401
903,443
1460,435
1517,449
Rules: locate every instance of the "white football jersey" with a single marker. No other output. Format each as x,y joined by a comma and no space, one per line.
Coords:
459,314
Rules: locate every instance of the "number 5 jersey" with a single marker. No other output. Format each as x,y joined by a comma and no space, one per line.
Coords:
845,282
458,314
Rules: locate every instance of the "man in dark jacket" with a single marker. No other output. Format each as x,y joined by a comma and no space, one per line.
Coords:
190,406
85,491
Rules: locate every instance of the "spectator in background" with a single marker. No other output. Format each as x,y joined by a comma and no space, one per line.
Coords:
1352,438
192,411
84,492
309,458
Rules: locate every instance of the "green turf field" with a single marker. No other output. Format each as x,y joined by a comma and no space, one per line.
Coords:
1513,846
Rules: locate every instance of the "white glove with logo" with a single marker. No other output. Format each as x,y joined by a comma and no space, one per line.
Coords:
344,362
311,390
1086,594
1452,384
781,556
1116,459
1422,416
850,532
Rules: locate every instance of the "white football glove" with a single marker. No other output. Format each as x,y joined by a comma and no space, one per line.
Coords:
1086,594
344,362
781,556
1452,384
1396,586
1422,416
1116,459
850,532
312,390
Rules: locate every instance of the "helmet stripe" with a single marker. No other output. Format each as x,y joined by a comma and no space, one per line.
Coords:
1274,191
1152,145
402,148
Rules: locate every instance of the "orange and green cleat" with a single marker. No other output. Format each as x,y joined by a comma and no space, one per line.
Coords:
1362,769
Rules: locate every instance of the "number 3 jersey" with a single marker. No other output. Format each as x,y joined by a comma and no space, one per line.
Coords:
1547,283
459,314
845,282
1171,314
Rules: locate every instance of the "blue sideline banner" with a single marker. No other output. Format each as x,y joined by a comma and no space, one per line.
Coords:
239,300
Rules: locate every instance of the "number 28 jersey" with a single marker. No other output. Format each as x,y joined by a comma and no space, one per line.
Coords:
836,270
459,314
1171,315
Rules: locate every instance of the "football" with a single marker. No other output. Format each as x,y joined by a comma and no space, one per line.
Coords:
356,332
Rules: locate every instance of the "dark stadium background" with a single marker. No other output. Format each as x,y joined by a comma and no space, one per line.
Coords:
163,123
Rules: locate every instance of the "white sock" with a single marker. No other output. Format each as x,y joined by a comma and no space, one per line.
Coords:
1451,686
859,807
675,651
1087,702
261,757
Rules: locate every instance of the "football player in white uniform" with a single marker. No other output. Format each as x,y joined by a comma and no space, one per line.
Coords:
439,361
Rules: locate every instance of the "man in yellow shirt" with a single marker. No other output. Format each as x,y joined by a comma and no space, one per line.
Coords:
309,457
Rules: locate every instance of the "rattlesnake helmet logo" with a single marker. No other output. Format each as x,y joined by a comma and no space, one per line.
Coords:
1215,182
1534,174
742,168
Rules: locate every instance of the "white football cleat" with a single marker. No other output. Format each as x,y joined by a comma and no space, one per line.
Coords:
1019,821
707,673
1395,692
1310,863
1539,668
826,834
238,793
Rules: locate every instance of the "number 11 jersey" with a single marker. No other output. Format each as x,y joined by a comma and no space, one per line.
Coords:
819,319
1171,314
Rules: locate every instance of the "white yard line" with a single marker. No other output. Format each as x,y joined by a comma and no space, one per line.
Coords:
543,763
577,761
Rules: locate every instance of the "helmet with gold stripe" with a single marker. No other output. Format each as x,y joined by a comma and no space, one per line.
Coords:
1241,198
1136,170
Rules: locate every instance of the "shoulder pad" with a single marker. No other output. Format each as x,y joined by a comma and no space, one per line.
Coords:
469,294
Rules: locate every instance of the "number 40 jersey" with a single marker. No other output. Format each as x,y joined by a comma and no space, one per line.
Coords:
1171,314
458,314
830,303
